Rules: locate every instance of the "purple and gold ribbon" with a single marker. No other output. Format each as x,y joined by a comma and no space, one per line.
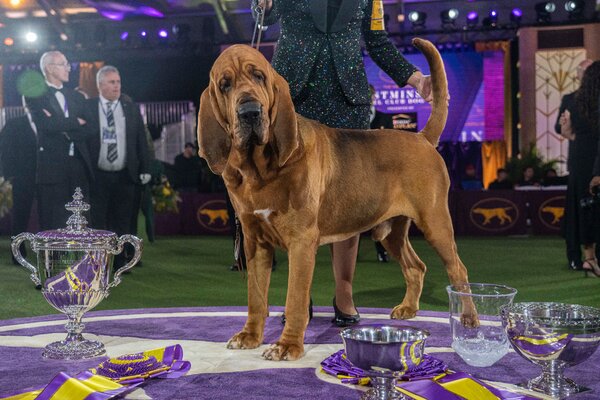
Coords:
113,377
430,380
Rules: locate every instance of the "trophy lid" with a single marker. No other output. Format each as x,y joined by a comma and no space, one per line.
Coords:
76,235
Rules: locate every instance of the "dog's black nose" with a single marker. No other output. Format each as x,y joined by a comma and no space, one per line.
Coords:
249,111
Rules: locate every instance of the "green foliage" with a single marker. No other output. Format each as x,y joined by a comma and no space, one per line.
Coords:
529,158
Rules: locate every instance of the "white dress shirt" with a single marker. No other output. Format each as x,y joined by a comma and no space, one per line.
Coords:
119,116
60,98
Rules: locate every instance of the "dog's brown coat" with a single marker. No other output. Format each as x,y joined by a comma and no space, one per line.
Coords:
297,184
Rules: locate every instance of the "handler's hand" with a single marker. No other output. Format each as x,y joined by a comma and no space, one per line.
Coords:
594,182
423,86
145,178
269,4
566,130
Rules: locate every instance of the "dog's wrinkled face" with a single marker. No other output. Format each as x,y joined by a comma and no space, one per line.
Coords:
243,83
246,104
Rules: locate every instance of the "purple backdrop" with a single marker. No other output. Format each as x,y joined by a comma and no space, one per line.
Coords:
476,85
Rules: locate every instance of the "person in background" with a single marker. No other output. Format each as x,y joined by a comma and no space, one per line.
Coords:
528,178
551,178
570,229
319,54
18,153
502,181
470,181
580,121
120,152
63,159
188,169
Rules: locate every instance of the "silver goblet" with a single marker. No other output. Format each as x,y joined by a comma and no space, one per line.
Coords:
554,336
383,352
73,269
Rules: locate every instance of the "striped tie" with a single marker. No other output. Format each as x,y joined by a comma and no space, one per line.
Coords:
111,154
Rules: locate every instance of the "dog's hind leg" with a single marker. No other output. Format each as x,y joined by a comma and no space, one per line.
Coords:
259,259
437,227
413,269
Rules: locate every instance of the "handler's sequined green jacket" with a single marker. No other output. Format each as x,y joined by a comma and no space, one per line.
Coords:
304,33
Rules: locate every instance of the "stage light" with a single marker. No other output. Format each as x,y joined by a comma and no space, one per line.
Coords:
143,34
491,21
515,16
9,41
163,34
544,11
449,16
400,18
472,19
15,3
417,18
31,37
124,36
575,8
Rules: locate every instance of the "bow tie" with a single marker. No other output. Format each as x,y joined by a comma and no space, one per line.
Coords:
53,90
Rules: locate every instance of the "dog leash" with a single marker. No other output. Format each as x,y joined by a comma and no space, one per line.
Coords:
258,26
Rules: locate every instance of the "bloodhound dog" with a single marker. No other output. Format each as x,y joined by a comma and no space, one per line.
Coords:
297,184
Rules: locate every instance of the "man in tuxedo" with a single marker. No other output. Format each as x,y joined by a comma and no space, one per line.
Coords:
120,154
18,153
63,160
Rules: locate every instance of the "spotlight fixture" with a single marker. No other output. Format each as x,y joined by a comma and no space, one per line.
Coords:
515,16
491,21
575,9
163,34
472,19
31,37
124,36
417,19
544,11
449,16
9,41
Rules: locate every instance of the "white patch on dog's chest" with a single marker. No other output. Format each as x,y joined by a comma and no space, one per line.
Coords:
264,214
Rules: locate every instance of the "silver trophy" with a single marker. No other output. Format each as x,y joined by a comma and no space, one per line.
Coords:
554,336
383,352
73,269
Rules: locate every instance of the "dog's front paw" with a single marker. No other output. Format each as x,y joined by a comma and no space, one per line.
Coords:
244,340
403,312
283,352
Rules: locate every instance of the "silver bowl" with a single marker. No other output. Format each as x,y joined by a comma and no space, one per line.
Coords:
383,352
554,336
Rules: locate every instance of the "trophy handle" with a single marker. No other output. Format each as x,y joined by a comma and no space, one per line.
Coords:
16,250
137,245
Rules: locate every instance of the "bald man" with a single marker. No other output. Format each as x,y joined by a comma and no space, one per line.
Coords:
63,159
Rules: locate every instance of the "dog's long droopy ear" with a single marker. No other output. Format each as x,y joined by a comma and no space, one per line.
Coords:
285,126
213,139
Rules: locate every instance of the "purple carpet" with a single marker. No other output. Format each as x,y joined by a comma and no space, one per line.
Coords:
218,373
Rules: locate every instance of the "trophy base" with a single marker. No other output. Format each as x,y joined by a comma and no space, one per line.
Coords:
556,388
383,389
73,350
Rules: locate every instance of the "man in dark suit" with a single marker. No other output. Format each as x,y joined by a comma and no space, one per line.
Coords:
18,153
120,154
63,160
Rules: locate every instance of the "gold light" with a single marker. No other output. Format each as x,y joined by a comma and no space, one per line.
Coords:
15,3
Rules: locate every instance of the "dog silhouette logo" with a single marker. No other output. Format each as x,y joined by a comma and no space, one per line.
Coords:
213,216
552,211
494,214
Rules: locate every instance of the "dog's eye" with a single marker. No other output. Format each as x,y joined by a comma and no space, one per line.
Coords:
224,85
258,76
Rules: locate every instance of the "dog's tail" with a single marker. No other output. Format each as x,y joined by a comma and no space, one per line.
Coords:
439,108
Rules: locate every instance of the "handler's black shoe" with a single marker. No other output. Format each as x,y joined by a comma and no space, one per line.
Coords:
382,256
342,319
